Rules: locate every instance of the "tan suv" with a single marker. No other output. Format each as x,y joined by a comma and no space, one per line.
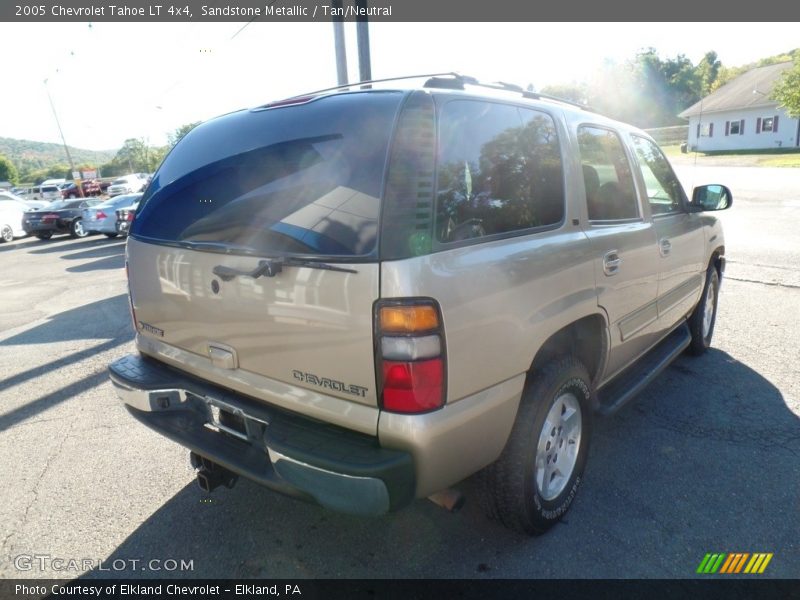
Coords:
364,295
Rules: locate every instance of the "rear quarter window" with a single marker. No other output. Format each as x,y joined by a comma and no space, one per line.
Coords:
499,171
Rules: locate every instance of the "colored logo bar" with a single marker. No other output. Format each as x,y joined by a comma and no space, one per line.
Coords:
734,562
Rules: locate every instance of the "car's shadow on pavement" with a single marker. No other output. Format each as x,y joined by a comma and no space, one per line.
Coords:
99,320
63,243
704,460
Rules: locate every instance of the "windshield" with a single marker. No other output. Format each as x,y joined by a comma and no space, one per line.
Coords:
302,179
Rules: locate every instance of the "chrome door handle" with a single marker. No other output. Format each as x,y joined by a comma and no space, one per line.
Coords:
611,263
664,247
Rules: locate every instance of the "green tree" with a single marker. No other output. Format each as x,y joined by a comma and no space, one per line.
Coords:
8,172
787,90
132,155
708,72
175,137
575,92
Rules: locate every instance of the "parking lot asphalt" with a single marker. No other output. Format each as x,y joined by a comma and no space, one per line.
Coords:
705,460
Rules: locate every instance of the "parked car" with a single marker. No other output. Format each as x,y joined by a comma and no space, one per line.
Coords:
125,217
64,216
90,187
363,297
129,184
12,211
103,217
29,204
48,193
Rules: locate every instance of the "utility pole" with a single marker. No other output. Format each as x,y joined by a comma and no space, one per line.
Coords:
338,40
362,35
64,141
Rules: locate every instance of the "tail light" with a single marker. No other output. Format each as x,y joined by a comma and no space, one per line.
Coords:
410,356
50,217
99,215
130,216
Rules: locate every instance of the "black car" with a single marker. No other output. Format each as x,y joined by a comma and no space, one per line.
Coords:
58,217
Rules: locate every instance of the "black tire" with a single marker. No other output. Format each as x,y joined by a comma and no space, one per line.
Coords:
701,335
45,235
510,492
76,229
6,234
111,236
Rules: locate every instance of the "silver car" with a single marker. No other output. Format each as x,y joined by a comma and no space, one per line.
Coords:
128,184
102,218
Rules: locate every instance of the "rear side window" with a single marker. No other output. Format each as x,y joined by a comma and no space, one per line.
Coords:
499,171
607,176
302,179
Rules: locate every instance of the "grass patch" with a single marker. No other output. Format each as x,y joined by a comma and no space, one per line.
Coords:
758,152
671,150
788,160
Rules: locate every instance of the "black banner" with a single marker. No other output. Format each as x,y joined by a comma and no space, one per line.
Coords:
146,11
353,589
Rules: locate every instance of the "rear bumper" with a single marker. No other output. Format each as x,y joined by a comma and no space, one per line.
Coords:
99,226
340,469
51,226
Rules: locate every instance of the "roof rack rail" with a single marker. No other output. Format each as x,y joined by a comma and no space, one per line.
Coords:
369,82
447,80
457,81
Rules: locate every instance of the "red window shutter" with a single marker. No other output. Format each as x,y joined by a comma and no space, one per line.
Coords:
710,130
741,127
775,124
727,127
758,125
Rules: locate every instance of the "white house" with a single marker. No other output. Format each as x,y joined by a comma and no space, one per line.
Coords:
740,115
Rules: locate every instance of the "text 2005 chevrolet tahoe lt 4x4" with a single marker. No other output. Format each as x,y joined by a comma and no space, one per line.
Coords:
364,295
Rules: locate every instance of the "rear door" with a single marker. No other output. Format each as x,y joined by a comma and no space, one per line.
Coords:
299,187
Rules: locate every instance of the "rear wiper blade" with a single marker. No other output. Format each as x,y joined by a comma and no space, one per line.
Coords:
224,247
271,267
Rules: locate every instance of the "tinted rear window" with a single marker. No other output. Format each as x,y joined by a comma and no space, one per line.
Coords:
499,171
302,179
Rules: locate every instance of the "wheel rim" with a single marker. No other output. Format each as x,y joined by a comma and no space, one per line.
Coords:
7,234
559,443
708,313
79,229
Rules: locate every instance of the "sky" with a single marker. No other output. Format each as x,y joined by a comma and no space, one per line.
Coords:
113,81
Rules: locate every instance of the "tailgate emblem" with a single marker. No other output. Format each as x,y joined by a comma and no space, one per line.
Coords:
331,384
151,329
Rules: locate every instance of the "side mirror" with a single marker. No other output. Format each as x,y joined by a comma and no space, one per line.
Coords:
711,197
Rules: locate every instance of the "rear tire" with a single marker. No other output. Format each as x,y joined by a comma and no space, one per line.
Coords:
6,234
111,235
44,236
702,320
533,483
76,229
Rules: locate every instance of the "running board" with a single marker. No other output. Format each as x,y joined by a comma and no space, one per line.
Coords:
624,387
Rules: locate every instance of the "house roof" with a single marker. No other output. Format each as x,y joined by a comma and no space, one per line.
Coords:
738,93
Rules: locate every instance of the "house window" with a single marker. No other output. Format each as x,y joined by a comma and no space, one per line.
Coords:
706,129
735,127
767,124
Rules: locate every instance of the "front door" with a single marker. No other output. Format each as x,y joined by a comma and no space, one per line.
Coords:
681,244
